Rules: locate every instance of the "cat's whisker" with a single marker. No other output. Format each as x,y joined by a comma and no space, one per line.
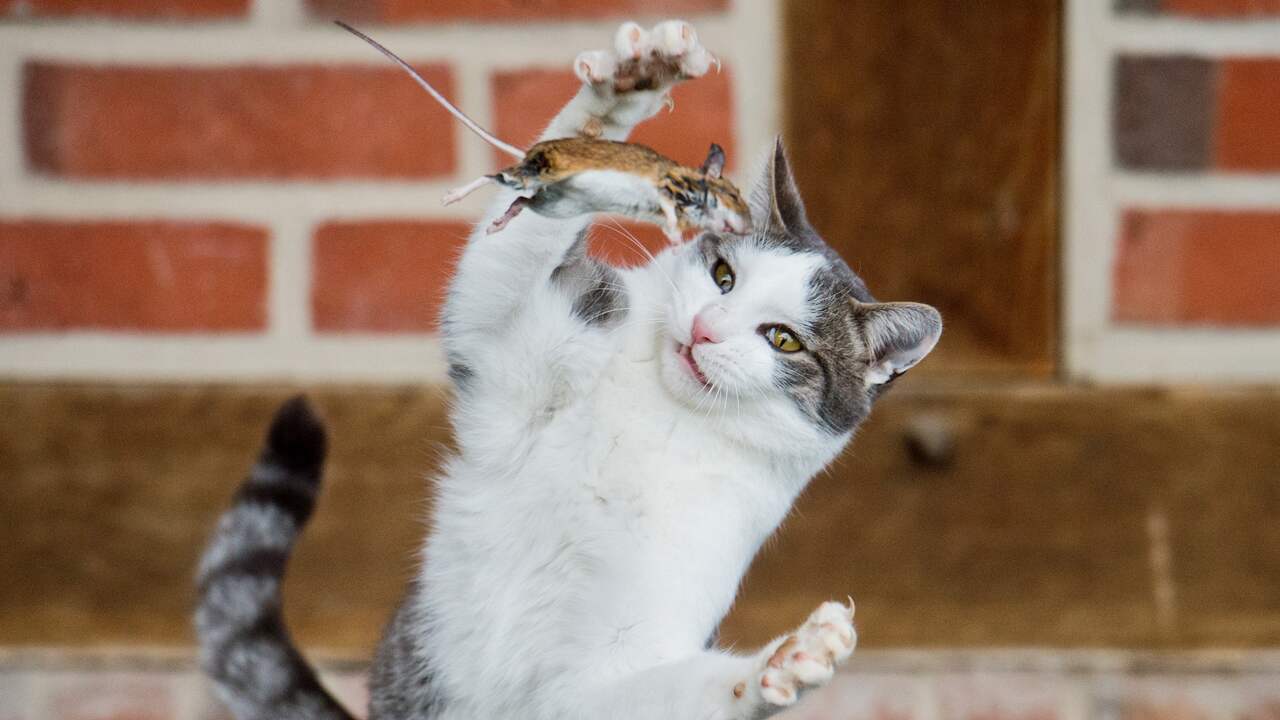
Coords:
613,224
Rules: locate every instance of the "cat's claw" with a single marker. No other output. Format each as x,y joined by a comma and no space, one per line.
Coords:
809,656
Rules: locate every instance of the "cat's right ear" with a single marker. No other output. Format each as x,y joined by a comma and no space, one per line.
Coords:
898,335
775,199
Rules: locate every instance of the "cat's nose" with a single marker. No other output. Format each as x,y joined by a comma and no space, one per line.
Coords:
702,330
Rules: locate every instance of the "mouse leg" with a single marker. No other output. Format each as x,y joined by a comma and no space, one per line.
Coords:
517,205
671,228
457,194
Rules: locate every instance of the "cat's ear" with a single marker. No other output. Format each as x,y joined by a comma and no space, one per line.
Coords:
714,166
898,336
775,200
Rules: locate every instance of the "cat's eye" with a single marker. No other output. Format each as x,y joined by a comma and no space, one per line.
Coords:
723,275
782,339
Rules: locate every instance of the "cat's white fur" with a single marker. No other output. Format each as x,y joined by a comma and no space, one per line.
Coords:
593,527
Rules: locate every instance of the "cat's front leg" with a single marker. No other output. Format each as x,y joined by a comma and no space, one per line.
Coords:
630,82
718,685
502,299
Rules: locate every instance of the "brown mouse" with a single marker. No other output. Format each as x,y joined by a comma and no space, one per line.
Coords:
572,176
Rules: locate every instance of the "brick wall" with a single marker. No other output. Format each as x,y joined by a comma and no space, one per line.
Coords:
878,685
229,189
1172,218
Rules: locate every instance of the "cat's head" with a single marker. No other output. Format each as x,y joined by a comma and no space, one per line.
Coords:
774,331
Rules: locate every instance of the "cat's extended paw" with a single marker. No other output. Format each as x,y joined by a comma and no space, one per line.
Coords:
808,657
646,60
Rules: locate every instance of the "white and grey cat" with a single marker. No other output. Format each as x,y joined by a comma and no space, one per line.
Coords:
627,439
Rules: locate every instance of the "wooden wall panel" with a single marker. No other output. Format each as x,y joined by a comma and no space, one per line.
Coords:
925,139
1037,527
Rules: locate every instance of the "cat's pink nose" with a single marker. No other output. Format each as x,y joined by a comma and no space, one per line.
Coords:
702,331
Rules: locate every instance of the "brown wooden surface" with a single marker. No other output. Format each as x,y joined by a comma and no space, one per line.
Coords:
925,139
1036,530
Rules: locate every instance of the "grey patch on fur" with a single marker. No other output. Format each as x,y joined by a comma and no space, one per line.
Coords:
460,373
596,288
401,683
712,640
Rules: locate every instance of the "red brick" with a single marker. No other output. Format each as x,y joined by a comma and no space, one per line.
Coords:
127,9
291,122
153,276
526,100
1248,137
390,276
383,276
111,696
1189,267
408,11
1221,8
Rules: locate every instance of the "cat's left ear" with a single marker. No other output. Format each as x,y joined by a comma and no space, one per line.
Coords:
714,166
898,335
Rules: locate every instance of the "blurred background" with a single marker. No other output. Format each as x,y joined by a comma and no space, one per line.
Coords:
1069,511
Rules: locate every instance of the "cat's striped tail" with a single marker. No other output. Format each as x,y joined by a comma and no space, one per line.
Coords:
244,646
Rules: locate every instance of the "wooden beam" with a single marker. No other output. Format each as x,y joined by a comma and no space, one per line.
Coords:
1001,515
925,139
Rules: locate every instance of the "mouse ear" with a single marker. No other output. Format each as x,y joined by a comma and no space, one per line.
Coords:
775,196
714,165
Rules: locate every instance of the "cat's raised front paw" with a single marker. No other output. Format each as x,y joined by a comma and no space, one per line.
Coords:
809,656
646,60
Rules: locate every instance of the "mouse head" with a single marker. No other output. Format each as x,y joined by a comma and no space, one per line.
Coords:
721,207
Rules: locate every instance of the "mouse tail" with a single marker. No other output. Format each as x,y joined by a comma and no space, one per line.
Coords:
472,125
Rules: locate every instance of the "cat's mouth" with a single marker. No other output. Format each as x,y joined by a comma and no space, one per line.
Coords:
686,354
